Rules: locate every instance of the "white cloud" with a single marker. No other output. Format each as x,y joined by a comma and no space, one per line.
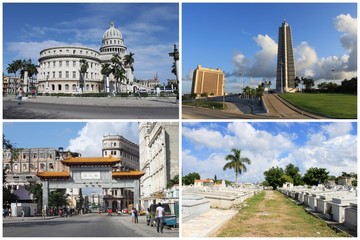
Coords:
89,140
331,146
263,63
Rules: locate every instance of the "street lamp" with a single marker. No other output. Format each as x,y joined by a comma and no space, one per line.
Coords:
241,82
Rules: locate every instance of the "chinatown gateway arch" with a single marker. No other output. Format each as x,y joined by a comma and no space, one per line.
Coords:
59,67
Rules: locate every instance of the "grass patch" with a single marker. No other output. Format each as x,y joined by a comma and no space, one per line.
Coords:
326,104
270,214
206,104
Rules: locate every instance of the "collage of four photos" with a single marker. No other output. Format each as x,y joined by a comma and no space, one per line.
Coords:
179,120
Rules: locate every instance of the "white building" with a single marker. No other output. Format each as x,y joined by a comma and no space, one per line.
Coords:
159,160
119,147
59,67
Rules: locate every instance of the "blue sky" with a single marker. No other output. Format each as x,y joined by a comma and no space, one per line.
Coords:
149,31
305,144
82,137
242,37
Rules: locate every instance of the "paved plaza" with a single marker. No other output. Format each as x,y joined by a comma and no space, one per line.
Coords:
90,108
88,225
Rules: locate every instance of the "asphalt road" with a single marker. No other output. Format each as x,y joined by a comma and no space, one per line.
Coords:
189,112
89,225
31,110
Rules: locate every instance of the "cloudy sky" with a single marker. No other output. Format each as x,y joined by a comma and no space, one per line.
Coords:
242,38
82,137
305,144
149,31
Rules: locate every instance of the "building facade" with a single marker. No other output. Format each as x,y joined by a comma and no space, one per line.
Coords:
120,147
30,161
285,70
159,160
58,70
207,80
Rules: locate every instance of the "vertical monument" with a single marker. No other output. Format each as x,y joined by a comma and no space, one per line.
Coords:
285,70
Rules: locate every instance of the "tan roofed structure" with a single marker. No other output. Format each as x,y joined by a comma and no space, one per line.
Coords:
122,174
53,175
91,161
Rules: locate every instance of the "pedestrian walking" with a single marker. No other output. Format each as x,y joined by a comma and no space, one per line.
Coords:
43,213
33,92
19,95
136,215
159,214
133,215
22,214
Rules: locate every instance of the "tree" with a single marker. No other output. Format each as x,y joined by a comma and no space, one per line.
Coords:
285,178
106,71
309,83
236,162
58,198
129,60
297,81
117,70
315,176
190,178
36,190
84,65
273,176
173,181
294,173
260,92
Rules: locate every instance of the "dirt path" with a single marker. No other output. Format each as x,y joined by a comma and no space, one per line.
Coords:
273,215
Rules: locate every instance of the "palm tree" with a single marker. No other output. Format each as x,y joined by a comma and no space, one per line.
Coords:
84,65
106,70
236,162
129,60
117,70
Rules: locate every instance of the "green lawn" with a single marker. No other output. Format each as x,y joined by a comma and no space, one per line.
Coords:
271,214
326,104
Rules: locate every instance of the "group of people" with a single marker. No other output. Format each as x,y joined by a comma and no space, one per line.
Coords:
20,93
7,212
134,215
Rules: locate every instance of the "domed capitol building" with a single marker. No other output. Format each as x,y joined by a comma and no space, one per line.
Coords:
59,67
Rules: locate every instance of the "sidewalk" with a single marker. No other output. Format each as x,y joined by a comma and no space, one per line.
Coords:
207,223
102,101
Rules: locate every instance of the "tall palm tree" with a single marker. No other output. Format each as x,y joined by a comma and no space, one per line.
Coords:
106,71
129,60
236,162
117,69
84,65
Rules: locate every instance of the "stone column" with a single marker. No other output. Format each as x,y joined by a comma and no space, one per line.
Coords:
45,194
136,193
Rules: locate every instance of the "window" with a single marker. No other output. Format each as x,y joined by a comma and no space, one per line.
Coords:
42,166
59,87
105,153
73,87
48,64
35,155
53,87
60,63
24,166
51,166
67,63
92,75
16,167
74,74
74,63
67,74
53,75
74,51
66,87
60,74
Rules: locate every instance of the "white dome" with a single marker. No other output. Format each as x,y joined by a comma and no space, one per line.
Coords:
112,32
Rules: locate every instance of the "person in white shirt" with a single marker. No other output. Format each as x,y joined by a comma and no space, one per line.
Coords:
159,214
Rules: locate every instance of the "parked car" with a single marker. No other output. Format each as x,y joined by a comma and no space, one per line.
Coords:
125,211
150,217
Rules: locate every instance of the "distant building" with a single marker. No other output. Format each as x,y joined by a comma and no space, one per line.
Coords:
207,80
285,70
203,182
23,170
119,147
159,160
149,83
